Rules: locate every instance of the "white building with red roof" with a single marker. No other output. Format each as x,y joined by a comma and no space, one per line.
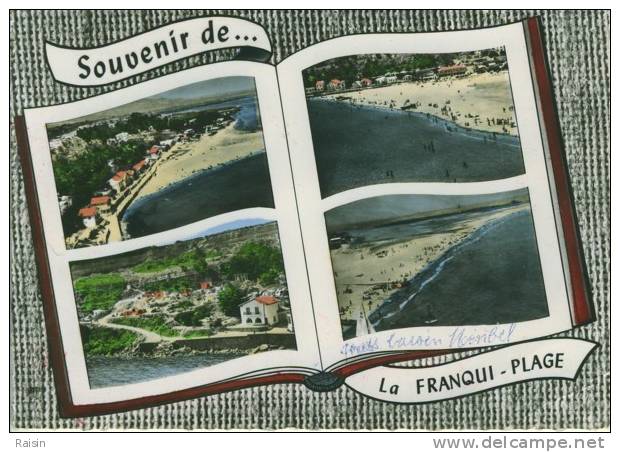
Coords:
101,203
262,310
119,180
88,216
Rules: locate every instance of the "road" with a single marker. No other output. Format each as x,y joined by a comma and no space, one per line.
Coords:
149,336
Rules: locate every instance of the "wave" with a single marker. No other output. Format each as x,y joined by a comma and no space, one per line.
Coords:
446,124
433,269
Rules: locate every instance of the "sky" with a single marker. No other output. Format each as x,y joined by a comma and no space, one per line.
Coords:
391,207
237,224
214,87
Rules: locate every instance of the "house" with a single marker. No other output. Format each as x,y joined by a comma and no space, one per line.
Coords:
455,69
407,78
262,310
154,153
167,144
391,79
55,144
101,203
319,85
366,82
88,216
336,84
64,202
119,181
380,80
205,284
356,84
424,74
138,167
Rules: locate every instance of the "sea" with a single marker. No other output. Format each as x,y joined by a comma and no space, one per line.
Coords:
493,276
358,145
106,371
239,184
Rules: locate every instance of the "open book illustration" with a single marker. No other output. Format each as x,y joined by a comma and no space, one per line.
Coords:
371,199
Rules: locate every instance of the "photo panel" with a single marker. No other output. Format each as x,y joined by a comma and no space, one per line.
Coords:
161,162
423,117
402,261
164,310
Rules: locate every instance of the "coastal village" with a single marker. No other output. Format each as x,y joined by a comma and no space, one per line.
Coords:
222,293
444,90
101,218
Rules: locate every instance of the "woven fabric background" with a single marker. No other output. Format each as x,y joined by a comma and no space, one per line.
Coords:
578,48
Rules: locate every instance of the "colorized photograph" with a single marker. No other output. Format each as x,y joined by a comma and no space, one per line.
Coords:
383,118
403,261
161,162
165,310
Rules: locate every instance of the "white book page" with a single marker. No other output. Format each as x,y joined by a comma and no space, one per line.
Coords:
313,207
305,359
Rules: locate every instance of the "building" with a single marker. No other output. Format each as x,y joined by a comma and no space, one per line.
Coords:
336,84
262,310
380,80
366,82
64,202
88,216
456,69
153,153
138,167
55,144
119,181
100,203
206,285
424,74
121,137
391,79
319,85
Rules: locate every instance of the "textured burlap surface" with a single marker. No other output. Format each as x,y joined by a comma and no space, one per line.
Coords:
578,49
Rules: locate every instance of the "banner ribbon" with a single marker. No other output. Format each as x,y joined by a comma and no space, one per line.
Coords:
541,359
155,48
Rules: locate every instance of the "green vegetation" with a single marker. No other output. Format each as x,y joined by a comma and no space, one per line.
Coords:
230,297
156,324
194,317
171,285
106,341
257,261
195,259
99,291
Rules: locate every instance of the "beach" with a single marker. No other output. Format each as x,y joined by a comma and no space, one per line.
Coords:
368,272
487,95
185,159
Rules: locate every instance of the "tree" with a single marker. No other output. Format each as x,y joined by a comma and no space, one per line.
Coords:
230,298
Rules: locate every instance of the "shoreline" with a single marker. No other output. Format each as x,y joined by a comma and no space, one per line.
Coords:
435,267
477,101
434,119
144,197
227,146
396,262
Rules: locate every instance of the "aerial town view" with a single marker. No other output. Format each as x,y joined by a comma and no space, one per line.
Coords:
435,260
160,162
168,309
382,118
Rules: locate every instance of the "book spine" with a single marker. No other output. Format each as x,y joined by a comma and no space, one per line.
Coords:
583,311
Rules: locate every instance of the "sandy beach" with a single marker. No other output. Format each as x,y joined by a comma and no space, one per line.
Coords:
185,159
360,269
487,96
